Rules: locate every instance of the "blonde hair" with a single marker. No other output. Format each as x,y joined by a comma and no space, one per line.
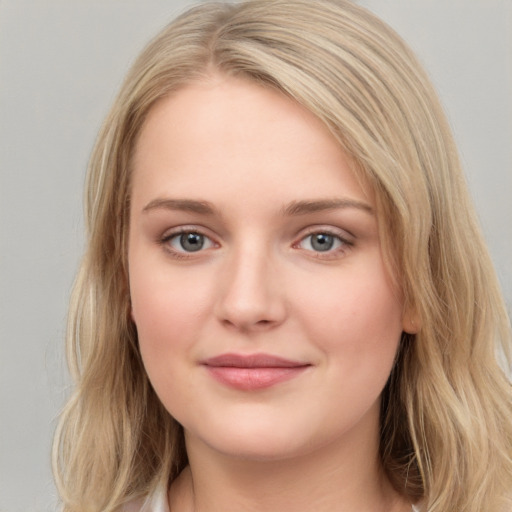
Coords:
446,423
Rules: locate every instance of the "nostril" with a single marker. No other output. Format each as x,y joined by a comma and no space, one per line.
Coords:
247,326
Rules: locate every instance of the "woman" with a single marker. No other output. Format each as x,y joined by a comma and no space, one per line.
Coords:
286,303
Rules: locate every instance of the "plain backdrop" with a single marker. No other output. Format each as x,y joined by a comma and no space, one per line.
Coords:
61,63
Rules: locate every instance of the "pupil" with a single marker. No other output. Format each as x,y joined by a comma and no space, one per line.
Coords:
322,242
192,242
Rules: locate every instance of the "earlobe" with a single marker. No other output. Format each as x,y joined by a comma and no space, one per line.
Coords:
411,322
131,315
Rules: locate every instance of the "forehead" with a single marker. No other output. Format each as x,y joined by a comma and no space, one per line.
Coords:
241,135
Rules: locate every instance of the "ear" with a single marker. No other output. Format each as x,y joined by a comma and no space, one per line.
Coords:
130,314
411,321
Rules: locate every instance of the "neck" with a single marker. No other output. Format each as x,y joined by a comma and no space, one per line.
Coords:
341,477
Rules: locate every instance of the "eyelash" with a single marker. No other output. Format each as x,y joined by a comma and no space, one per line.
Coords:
342,242
166,240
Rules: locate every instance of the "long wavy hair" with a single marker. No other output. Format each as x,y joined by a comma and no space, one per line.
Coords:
446,419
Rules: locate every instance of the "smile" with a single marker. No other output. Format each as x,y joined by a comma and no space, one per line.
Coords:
253,372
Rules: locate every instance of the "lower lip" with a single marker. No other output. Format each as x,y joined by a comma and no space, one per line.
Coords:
251,379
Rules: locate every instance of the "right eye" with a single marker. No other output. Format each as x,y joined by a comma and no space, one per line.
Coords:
187,242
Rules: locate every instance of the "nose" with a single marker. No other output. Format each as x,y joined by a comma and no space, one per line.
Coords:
251,295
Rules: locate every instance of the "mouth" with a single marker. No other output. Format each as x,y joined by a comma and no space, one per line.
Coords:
253,372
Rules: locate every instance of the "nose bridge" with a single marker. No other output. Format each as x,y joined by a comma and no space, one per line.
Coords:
251,296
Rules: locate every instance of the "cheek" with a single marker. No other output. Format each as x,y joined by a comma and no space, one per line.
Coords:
167,318
166,309
355,319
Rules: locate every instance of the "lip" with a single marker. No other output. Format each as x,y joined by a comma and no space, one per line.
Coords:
254,371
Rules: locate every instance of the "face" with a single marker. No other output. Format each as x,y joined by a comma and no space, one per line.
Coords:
267,322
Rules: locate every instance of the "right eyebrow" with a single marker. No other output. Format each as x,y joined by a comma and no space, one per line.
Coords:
188,205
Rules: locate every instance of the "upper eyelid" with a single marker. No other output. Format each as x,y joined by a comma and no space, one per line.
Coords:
335,235
343,234
303,232
166,242
171,233
346,238
192,228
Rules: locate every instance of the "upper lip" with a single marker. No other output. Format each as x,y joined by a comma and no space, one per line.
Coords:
252,361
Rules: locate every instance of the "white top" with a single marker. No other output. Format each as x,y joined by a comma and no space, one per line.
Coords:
158,503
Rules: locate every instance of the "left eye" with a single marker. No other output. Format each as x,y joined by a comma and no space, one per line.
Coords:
321,242
189,241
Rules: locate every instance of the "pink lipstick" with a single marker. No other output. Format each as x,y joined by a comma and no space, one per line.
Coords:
252,372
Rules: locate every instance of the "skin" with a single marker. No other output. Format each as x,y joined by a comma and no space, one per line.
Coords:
256,176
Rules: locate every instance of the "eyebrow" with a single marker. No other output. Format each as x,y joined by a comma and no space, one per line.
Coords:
295,208
305,207
188,205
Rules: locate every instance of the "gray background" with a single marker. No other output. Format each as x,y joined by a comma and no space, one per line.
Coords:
61,62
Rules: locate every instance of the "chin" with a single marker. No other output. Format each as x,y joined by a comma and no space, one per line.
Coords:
261,443
261,450
253,441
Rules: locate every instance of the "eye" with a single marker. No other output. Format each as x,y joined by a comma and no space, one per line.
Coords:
322,242
187,242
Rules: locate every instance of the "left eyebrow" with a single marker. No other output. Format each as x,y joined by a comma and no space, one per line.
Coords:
305,207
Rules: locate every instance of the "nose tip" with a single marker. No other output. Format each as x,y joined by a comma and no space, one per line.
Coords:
251,298
249,316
